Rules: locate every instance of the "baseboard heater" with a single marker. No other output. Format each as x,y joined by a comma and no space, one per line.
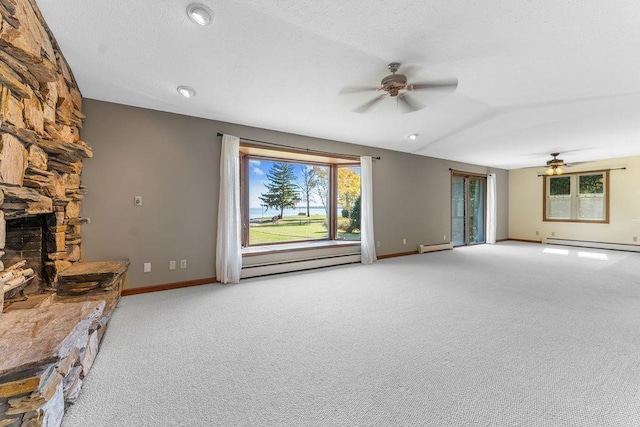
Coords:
435,247
297,265
593,245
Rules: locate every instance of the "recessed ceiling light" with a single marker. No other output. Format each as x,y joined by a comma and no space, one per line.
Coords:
186,91
200,14
413,136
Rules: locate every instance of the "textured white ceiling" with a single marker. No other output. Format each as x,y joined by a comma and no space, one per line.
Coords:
534,76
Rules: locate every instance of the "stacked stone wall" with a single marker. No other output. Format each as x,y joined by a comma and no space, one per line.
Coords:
41,152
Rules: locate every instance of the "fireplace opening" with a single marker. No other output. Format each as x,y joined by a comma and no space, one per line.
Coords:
25,241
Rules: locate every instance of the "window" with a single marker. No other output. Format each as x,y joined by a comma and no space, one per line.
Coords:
582,197
297,197
348,223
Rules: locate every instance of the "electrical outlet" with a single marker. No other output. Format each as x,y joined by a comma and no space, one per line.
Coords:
635,238
147,267
553,233
172,265
537,233
378,244
404,241
137,201
444,237
183,263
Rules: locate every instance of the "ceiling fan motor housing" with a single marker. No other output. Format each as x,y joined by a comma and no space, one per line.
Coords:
393,83
555,162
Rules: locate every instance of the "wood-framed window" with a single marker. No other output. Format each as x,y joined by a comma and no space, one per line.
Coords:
292,196
577,197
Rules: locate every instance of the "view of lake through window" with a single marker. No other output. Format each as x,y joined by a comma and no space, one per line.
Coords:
291,201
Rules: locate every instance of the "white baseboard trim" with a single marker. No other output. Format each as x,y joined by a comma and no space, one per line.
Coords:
435,247
297,265
594,245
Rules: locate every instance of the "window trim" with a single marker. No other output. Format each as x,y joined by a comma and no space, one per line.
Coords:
254,151
295,154
545,189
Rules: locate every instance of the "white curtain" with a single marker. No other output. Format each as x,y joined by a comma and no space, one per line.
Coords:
228,245
367,240
492,220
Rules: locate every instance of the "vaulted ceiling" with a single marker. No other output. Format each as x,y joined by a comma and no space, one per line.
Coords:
535,77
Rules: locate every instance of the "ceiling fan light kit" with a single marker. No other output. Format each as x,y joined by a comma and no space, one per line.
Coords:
554,170
554,165
200,14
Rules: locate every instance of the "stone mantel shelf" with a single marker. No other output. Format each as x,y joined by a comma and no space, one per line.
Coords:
22,201
93,270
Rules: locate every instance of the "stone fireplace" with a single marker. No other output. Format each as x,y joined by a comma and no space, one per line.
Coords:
41,155
54,307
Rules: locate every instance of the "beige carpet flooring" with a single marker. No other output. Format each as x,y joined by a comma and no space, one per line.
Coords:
512,334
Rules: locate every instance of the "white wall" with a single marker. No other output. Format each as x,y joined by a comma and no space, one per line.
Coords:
525,205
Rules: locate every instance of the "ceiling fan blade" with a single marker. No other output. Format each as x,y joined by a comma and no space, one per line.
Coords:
575,163
406,105
448,85
356,89
367,105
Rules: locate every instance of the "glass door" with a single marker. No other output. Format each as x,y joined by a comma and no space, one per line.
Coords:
458,211
476,201
468,209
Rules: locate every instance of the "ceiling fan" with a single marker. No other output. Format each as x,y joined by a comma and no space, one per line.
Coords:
554,166
397,86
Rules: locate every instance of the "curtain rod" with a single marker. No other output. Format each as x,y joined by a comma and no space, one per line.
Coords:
459,172
303,149
596,170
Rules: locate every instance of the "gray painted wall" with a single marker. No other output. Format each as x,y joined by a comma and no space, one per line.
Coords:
172,161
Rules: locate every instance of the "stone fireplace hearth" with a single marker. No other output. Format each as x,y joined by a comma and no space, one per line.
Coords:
48,343
54,307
